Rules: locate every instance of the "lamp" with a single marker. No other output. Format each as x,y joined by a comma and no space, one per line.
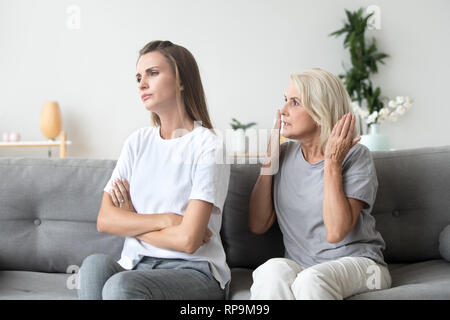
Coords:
50,120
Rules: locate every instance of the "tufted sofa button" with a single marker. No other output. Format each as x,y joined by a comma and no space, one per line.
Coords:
396,213
37,222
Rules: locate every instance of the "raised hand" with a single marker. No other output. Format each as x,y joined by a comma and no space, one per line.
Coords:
341,139
270,165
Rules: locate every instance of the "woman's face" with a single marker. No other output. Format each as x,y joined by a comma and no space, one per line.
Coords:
156,82
296,122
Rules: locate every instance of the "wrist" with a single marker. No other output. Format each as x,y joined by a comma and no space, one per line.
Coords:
332,166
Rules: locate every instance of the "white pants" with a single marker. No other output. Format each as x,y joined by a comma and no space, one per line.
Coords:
281,278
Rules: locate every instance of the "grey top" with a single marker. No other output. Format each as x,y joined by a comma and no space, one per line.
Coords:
298,195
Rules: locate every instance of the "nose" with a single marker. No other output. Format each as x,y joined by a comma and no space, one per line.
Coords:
284,109
143,83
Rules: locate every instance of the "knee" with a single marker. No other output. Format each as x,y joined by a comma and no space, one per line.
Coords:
308,278
121,286
274,269
95,261
311,284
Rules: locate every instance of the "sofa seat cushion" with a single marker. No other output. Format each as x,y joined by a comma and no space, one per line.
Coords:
415,281
27,285
429,280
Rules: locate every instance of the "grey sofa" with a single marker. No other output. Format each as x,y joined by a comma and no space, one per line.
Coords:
48,211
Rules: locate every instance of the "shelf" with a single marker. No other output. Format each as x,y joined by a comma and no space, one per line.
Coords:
32,144
39,144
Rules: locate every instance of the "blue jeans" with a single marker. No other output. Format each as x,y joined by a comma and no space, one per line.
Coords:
101,277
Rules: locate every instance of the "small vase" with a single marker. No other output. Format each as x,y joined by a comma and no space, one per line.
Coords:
14,137
374,140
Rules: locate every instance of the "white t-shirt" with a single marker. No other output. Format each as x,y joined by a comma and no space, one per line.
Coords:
163,176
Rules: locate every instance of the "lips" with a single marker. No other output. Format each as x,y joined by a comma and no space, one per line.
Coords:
145,96
286,124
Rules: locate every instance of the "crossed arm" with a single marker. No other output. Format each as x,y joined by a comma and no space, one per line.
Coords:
167,230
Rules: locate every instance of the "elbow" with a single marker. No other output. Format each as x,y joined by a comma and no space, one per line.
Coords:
335,236
257,225
101,223
255,229
100,227
254,225
190,244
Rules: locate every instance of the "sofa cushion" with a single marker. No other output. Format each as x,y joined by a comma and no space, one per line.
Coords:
444,243
243,248
429,280
26,285
49,212
412,203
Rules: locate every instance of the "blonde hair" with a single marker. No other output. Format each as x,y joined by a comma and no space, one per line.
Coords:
325,99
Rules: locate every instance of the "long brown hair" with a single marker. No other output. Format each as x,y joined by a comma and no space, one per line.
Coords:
187,75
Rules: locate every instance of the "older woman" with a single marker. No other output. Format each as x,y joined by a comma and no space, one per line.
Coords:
322,195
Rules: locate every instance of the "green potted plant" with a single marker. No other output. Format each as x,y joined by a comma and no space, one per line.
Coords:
368,102
240,140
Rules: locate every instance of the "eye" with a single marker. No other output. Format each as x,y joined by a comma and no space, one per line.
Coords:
138,80
296,103
153,72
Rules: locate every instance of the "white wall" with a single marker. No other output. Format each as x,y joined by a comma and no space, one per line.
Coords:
245,49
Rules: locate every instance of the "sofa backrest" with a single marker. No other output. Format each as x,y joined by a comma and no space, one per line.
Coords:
49,207
411,208
48,213
243,248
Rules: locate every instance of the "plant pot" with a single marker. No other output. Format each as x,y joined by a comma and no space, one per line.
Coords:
374,140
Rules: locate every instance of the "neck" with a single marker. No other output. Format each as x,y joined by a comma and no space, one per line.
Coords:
175,124
311,150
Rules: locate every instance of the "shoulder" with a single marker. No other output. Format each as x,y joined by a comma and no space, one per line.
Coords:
207,139
359,158
358,152
141,133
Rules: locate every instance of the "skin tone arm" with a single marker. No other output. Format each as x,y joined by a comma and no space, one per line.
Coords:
122,220
189,235
339,212
261,211
180,233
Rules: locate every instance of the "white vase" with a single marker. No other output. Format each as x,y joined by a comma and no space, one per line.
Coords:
374,140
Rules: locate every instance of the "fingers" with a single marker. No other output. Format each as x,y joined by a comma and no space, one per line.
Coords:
345,126
207,235
123,193
349,126
114,198
340,127
126,185
355,141
278,120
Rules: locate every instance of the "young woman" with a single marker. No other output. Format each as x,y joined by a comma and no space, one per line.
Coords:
321,196
166,193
